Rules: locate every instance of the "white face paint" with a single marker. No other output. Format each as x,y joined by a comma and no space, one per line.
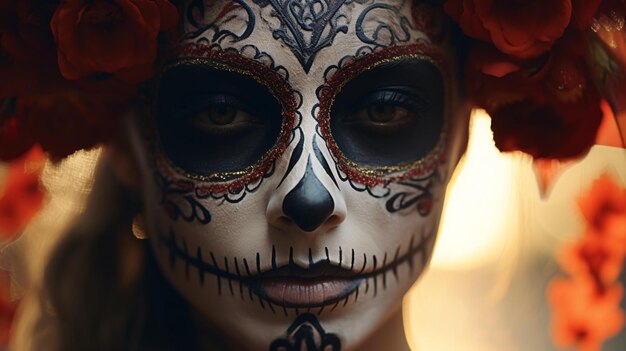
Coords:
300,165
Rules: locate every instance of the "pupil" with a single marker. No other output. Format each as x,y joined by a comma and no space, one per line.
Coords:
381,113
222,115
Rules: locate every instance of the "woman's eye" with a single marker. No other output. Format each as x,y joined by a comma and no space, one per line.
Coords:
223,119
384,113
219,115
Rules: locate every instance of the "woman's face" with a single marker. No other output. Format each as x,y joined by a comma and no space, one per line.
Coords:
296,172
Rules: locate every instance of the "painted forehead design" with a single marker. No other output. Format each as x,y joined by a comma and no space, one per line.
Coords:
307,27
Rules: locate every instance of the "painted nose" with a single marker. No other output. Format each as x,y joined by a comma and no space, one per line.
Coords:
308,204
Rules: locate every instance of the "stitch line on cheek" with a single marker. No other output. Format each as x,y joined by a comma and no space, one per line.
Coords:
232,61
344,72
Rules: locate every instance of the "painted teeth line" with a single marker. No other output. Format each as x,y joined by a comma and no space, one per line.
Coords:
180,252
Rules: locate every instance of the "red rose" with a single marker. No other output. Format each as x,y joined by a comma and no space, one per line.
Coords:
584,11
26,76
463,12
494,79
547,128
547,107
524,29
109,36
27,50
74,117
25,30
70,120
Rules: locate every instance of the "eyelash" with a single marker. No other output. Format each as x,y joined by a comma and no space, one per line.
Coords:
400,97
204,102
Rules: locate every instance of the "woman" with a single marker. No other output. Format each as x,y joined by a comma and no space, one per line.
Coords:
290,183
288,174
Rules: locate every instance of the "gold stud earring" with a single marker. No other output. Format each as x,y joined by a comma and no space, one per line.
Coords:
138,227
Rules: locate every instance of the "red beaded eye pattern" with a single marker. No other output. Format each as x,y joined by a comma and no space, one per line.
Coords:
372,176
265,74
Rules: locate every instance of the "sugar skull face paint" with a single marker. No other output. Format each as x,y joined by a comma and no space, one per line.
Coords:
299,153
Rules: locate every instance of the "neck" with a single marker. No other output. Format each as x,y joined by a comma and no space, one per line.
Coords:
390,336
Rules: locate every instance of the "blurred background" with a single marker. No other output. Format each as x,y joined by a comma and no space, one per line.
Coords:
486,287
495,255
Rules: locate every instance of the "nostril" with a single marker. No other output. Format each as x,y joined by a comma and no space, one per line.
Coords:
334,221
283,221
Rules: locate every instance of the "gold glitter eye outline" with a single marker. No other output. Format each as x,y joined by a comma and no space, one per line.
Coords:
229,61
372,176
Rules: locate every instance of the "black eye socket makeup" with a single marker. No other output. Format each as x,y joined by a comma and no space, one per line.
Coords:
383,114
391,114
214,121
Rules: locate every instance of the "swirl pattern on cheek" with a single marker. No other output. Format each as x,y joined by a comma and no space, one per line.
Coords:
337,77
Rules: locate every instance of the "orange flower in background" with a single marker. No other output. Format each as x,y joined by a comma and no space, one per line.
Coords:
22,196
586,307
592,256
110,36
582,317
523,29
602,204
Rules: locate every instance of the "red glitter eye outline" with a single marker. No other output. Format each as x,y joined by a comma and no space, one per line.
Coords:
231,60
372,176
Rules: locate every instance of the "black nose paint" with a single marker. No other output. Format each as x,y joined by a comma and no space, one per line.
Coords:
309,204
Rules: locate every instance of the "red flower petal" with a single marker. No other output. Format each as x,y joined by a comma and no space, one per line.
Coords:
107,36
547,128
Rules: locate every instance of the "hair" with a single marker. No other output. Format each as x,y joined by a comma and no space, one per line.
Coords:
104,286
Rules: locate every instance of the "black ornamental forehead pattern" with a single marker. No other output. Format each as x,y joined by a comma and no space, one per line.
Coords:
308,26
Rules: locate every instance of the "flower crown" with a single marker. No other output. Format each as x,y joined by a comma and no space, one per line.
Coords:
540,69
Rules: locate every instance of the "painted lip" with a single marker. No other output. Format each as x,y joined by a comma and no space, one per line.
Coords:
293,286
320,284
